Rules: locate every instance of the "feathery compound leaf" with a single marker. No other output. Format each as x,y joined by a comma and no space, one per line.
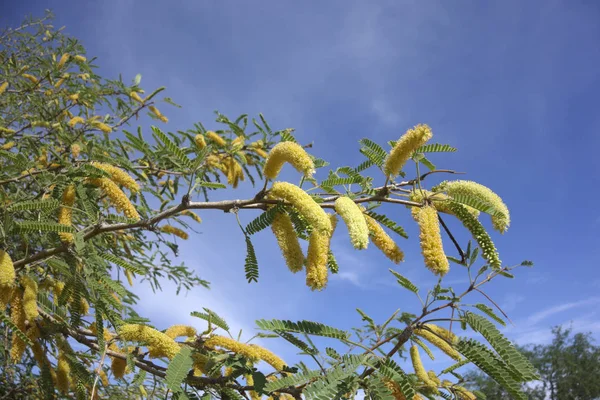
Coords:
211,317
520,368
178,369
373,151
211,185
122,263
490,313
308,327
364,165
4,318
436,148
487,361
251,263
336,181
327,387
388,223
377,390
172,147
423,346
332,264
297,342
425,161
476,203
45,226
286,136
45,205
455,366
404,282
264,220
292,380
392,371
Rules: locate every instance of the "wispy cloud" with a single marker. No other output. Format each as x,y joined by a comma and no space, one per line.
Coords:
541,315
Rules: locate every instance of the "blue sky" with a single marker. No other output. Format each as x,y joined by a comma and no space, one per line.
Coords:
512,84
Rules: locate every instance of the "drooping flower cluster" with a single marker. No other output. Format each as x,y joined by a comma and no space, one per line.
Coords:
7,278
116,196
63,372
288,242
118,176
175,231
438,200
318,254
438,342
501,220
269,357
200,142
176,331
431,241
159,343
158,114
216,138
65,213
355,221
30,309
305,205
243,349
405,147
383,241
419,369
192,215
289,152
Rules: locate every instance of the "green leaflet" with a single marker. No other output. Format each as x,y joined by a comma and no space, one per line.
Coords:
178,369
297,342
388,223
44,226
520,368
455,366
327,386
122,263
251,263
476,203
15,329
377,390
332,264
172,147
211,317
292,380
392,371
308,327
489,363
337,181
374,152
423,346
404,282
436,148
490,313
45,205
264,220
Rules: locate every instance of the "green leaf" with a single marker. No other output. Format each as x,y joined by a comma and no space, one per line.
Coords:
30,205
423,346
44,226
476,203
297,342
392,371
178,368
388,223
122,263
332,264
337,181
332,353
264,220
210,185
490,313
366,318
527,263
260,381
137,79
427,163
377,390
172,147
520,368
211,317
286,136
436,148
251,263
308,327
455,366
291,380
7,321
404,282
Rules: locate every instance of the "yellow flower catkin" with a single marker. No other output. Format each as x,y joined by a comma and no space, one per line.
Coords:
289,152
65,213
318,254
17,317
7,278
418,366
192,215
161,344
136,97
158,114
288,242
31,78
175,231
103,377
439,343
355,221
63,372
117,367
176,331
245,350
200,142
8,145
443,333
260,152
3,87
102,126
75,150
117,197
500,221
269,357
30,309
199,364
404,148
217,139
464,393
74,121
439,200
383,241
431,241
63,59
80,58
250,382
305,205
118,176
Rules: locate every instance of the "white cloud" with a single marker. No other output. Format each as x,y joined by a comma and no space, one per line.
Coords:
541,315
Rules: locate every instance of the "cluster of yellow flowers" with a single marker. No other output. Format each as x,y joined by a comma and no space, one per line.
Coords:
405,147
431,241
116,196
302,202
159,344
65,213
176,331
383,241
216,138
318,253
63,372
419,369
291,153
252,352
158,114
355,221
439,338
288,242
175,231
118,176
7,278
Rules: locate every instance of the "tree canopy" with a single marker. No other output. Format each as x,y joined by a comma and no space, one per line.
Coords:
91,201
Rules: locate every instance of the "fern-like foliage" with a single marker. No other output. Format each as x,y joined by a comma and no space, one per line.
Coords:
392,371
264,220
327,386
30,205
178,369
122,263
305,347
490,313
212,317
388,223
308,327
292,380
476,203
436,148
43,226
332,264
377,390
404,282
519,366
374,152
172,147
251,263
423,346
6,320
455,366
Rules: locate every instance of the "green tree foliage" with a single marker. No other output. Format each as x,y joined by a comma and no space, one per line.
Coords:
569,368
90,201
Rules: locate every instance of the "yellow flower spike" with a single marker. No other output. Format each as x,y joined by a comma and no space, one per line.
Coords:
84,306
288,242
175,231
238,142
59,83
158,114
439,200
6,130
136,97
269,357
74,97
250,382
305,205
434,377
501,221
180,330
7,278
8,145
233,345
464,393
355,221
63,59
318,254
439,343
200,142
404,148
394,388
383,241
75,150
431,241
3,87
260,152
17,317
30,299
117,367
63,372
103,377
80,58
161,344
117,197
65,213
418,366
192,215
31,78
289,152
217,139
443,333
129,277
199,364
102,126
